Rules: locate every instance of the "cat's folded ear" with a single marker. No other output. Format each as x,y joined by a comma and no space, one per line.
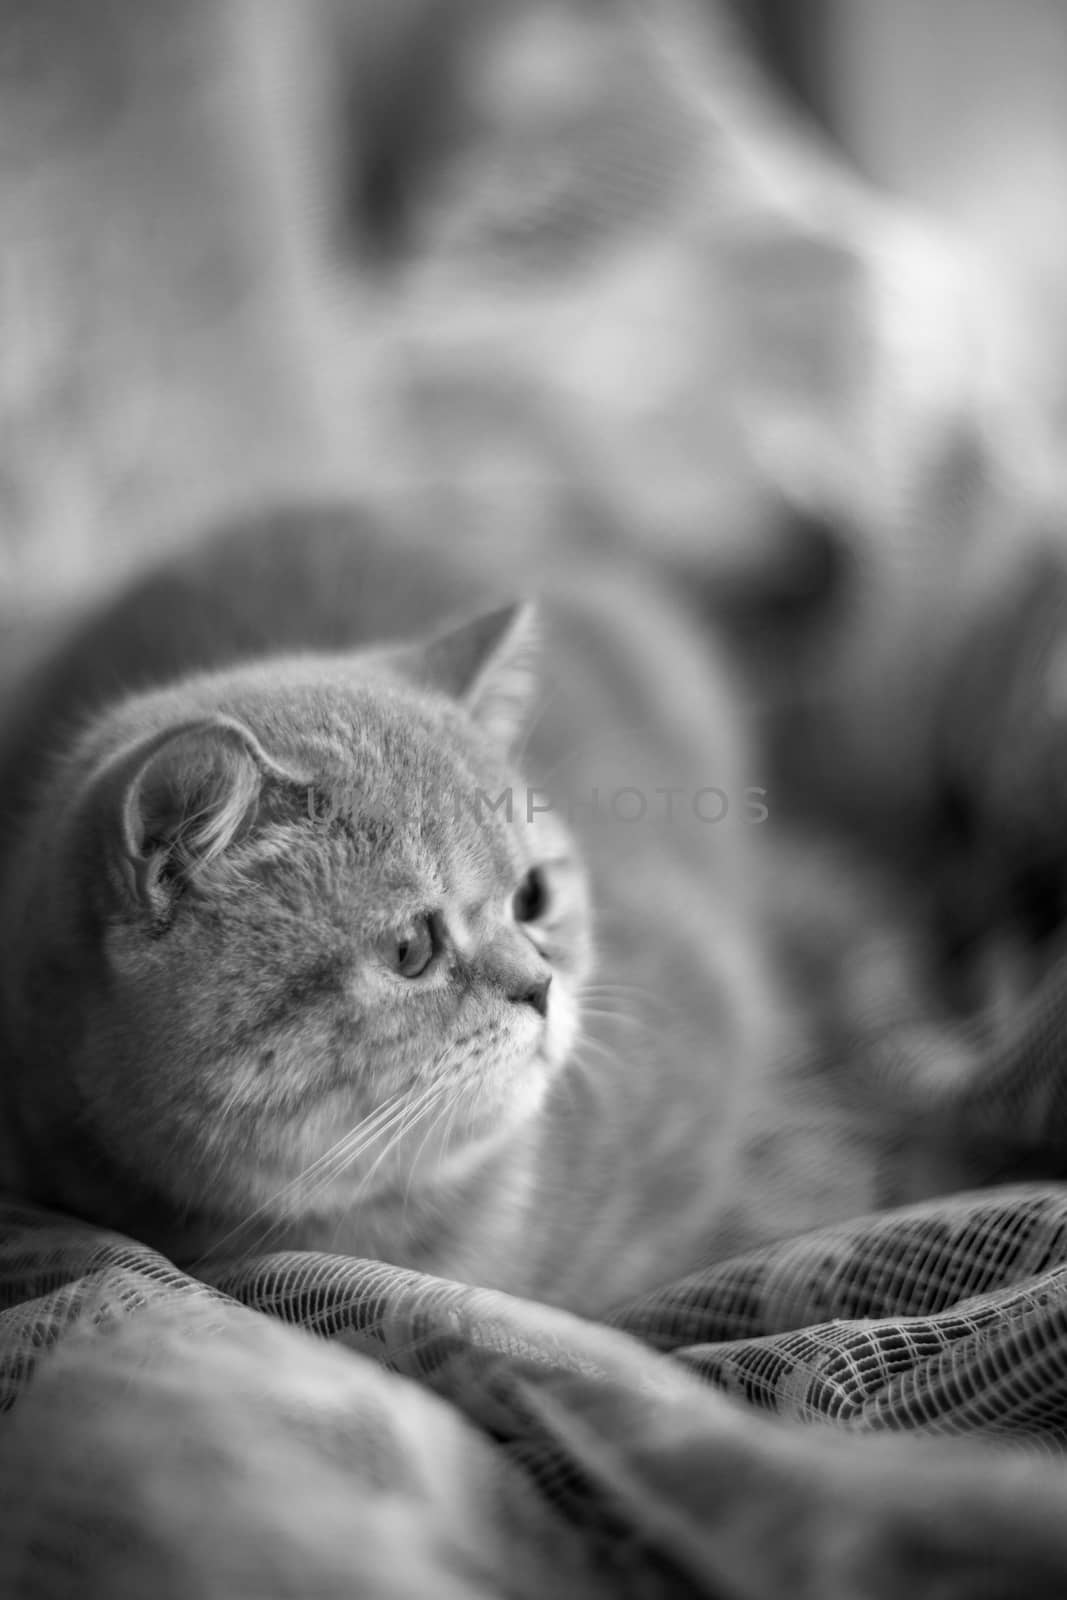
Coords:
490,665
175,801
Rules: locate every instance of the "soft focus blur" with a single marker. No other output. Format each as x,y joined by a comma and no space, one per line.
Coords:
769,294
959,106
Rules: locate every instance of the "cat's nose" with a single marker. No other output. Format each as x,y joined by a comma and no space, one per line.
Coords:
533,994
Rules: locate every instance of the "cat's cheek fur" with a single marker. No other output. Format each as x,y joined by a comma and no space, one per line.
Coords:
561,1025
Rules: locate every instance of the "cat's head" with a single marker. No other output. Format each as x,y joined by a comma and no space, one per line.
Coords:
275,917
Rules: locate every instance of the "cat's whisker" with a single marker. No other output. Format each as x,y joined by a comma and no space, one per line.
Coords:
406,1107
340,1158
223,1112
620,996
446,1137
393,1133
587,1042
411,1112
346,1149
622,1005
391,1136
318,1176
617,1003
440,1113
626,990
418,1109
600,1014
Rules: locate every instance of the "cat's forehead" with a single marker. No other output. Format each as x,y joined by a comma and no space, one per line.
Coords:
344,727
399,749
418,785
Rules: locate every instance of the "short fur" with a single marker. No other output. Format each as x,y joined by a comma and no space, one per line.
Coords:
206,1039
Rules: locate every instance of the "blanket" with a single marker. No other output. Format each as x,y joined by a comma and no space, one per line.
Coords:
311,1425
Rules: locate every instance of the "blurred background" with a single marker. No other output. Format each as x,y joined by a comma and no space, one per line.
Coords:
956,106
769,295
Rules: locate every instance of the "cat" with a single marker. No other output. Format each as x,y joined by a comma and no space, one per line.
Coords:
294,950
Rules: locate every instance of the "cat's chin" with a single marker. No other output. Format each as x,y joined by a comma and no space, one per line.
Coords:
504,1101
485,1109
512,1097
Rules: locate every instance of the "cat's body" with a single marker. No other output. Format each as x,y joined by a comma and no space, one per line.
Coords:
174,1061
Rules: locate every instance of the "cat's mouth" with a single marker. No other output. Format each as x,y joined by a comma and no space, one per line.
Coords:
442,1119
437,1130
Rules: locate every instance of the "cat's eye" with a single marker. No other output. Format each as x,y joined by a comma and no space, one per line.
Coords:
530,900
410,951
